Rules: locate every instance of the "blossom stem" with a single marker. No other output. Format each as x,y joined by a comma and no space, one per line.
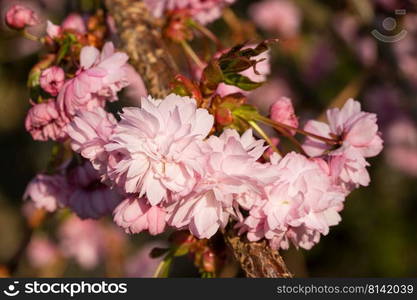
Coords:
190,52
205,31
29,36
262,133
234,23
279,125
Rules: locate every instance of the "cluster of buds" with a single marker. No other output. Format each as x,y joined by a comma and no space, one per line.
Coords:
207,257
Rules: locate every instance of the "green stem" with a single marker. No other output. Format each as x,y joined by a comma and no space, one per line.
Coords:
262,133
279,125
190,52
29,36
205,31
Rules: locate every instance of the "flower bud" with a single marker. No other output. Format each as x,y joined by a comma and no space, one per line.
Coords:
74,22
52,80
19,16
209,261
282,111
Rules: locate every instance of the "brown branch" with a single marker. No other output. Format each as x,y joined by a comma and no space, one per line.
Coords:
141,39
257,259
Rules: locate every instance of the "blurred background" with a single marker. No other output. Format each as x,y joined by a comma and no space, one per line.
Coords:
329,50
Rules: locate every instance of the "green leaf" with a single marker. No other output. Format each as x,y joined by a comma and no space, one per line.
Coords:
164,267
246,112
34,77
212,77
66,46
181,250
241,82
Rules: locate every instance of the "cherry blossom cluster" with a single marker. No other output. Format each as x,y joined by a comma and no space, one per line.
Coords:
174,173
80,73
191,160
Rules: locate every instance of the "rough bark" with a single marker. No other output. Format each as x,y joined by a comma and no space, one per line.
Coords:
256,259
141,39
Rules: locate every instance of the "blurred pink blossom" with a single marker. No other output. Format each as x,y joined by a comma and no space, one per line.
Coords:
405,50
52,79
41,252
401,152
74,22
204,11
81,240
47,191
19,16
321,61
364,47
53,31
89,198
278,16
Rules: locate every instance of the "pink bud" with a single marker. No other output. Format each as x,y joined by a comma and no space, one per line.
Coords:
18,17
282,111
52,30
74,22
52,80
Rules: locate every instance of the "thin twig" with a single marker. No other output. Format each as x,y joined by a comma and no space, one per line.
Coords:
190,52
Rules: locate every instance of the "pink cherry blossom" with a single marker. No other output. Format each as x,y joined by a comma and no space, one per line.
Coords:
90,131
232,177
299,206
348,168
47,191
354,127
282,111
279,16
53,31
45,122
74,22
89,198
19,16
99,79
159,144
52,80
135,215
204,11
201,212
